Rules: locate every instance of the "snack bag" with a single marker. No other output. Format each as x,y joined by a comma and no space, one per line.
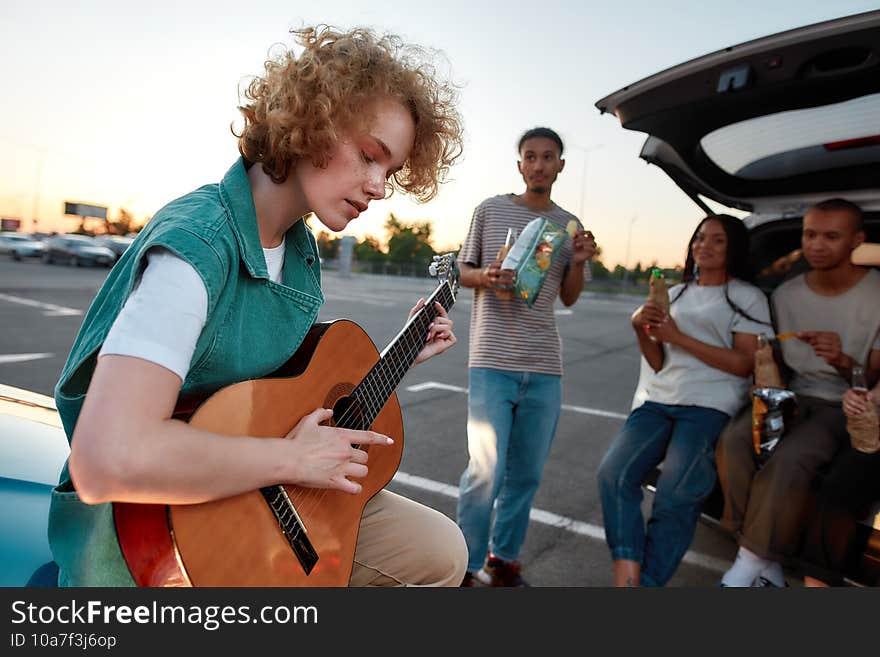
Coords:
771,402
536,248
770,406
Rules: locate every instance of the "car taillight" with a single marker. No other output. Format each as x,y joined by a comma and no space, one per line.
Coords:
858,142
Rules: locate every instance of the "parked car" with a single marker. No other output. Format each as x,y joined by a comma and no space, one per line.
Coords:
771,127
77,250
116,243
20,245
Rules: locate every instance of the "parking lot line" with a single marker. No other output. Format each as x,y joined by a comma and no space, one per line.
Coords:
335,296
22,358
436,385
51,309
553,520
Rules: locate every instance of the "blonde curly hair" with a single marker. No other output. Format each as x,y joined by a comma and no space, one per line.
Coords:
303,105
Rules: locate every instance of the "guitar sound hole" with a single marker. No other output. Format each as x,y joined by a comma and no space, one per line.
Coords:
347,413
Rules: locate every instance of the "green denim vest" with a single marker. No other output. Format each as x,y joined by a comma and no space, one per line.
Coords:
253,326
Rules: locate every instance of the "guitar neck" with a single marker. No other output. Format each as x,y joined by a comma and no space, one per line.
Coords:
394,362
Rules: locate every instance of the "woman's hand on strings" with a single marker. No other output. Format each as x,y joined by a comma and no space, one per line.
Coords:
326,457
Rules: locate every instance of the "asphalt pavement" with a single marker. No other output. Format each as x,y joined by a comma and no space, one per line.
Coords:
42,306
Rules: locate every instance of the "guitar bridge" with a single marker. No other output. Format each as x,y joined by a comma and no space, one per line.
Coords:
291,526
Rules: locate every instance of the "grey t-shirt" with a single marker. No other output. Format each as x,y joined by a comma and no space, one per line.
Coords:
853,315
703,312
508,335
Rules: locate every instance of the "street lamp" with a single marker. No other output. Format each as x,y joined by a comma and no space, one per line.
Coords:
586,151
37,185
626,261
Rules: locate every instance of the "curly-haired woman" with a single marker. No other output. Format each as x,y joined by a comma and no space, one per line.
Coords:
694,378
222,285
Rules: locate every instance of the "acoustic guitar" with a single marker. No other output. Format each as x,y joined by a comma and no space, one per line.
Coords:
286,535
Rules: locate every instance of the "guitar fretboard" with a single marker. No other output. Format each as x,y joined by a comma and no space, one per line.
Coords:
378,385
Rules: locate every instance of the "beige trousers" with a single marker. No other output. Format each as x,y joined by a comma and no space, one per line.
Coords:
404,543
768,508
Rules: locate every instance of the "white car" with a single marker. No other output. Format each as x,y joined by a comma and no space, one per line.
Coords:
771,127
19,245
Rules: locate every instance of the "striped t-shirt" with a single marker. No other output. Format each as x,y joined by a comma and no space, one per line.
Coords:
508,335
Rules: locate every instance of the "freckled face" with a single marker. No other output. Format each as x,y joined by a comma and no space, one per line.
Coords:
359,166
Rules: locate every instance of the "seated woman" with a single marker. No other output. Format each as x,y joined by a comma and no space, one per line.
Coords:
700,356
832,545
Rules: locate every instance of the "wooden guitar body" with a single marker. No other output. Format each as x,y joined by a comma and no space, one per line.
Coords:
238,541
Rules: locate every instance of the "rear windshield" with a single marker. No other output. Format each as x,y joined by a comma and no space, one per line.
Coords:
799,141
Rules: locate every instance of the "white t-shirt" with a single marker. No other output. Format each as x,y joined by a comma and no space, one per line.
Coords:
853,315
703,313
167,309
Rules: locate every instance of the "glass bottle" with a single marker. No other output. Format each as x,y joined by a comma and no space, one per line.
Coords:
766,371
863,429
859,383
505,293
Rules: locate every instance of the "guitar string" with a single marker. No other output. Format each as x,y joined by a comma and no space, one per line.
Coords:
375,403
310,499
378,376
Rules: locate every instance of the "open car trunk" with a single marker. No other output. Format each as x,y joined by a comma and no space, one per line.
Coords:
769,126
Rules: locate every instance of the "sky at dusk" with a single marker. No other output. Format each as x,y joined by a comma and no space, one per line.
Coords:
129,105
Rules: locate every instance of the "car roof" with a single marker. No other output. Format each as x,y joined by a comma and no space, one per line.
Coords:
758,125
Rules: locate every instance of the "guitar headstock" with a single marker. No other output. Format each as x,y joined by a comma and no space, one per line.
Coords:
445,268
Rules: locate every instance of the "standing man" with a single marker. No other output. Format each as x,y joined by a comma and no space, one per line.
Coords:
515,365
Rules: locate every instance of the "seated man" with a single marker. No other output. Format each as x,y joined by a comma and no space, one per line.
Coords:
833,545
834,310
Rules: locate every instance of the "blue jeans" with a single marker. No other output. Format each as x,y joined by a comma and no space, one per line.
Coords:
512,419
683,438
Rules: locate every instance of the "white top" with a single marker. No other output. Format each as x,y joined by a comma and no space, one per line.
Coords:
702,312
167,309
853,315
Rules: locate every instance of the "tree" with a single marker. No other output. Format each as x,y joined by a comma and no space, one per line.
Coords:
368,250
599,270
328,246
123,224
409,243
